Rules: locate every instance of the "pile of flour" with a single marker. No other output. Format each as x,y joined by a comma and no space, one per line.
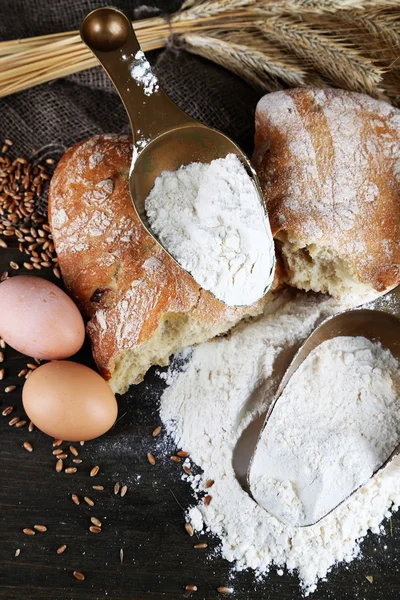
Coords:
337,421
210,219
225,385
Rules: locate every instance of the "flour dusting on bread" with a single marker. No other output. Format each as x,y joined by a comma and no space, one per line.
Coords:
329,163
141,306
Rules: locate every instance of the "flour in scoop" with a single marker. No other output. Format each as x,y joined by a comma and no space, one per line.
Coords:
209,217
337,421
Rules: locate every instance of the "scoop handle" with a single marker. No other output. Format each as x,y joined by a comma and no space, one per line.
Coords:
109,34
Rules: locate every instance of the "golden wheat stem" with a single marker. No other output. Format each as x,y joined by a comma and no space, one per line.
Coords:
42,77
57,50
12,46
30,64
25,44
38,66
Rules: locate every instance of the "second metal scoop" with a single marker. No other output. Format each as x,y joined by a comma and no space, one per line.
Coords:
380,324
165,137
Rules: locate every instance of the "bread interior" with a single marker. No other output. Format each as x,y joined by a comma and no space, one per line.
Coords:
318,268
175,331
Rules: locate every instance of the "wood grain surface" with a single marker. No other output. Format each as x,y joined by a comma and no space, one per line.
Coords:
147,524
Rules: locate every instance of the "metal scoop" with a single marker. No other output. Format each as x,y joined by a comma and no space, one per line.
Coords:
165,137
379,324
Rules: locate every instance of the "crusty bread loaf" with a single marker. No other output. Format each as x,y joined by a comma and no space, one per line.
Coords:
329,165
141,306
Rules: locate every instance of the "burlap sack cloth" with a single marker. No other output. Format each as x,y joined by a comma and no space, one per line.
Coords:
51,117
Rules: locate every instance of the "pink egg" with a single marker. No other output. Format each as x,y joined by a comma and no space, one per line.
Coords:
38,319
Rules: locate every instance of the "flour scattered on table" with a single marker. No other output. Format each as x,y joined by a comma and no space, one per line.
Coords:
224,386
209,217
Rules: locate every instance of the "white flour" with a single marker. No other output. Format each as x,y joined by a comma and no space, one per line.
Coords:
225,385
210,218
141,72
336,422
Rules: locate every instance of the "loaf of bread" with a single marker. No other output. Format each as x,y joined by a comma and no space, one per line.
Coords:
141,306
329,165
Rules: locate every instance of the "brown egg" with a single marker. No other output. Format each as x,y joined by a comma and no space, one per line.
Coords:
69,401
38,319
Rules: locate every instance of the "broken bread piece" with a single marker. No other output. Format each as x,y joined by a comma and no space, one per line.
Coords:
329,167
142,307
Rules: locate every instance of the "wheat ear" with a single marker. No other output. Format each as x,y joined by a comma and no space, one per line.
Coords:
339,62
267,69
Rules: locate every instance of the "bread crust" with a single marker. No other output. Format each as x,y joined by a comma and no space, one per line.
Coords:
120,278
329,166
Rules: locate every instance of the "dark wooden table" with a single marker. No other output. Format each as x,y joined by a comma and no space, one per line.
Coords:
148,523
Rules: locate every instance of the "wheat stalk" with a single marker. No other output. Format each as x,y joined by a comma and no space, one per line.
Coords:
270,43
30,63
